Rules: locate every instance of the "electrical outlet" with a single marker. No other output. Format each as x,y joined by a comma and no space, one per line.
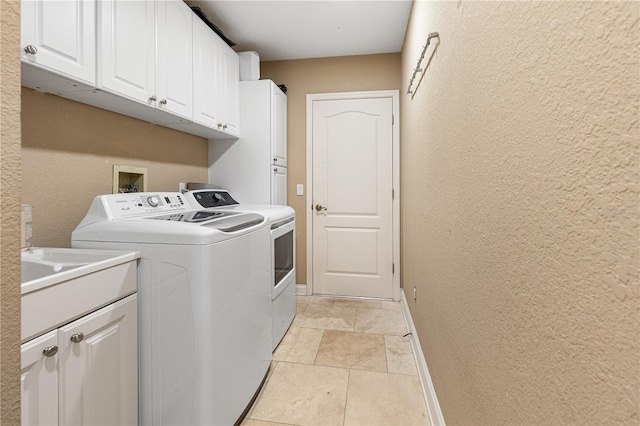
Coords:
415,294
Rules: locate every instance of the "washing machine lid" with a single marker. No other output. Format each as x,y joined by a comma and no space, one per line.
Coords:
215,219
275,213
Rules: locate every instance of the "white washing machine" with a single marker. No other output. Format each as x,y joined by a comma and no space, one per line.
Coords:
282,247
204,299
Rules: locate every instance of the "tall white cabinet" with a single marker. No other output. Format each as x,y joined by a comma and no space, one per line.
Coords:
254,167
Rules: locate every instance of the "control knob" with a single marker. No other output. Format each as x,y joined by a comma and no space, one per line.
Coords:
153,201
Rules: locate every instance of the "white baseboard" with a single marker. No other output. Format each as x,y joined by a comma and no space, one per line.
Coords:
301,289
433,407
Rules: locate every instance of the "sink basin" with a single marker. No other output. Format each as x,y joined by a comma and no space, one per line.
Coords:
32,270
44,266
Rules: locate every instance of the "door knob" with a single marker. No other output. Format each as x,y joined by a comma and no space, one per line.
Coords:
77,337
50,351
319,208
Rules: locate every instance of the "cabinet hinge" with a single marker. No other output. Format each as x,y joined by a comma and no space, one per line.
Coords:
393,268
393,119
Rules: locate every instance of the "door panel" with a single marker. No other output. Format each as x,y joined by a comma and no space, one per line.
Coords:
127,48
39,381
352,187
206,59
98,373
63,33
279,186
174,29
279,126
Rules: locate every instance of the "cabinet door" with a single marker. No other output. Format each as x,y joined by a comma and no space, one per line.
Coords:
231,89
64,35
39,381
127,49
206,75
279,186
98,367
174,31
279,127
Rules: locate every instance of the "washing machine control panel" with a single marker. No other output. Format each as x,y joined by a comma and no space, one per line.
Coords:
144,203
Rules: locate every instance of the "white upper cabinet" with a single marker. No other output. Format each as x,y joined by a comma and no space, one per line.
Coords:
154,60
145,53
206,60
216,79
279,127
60,36
230,81
174,69
127,49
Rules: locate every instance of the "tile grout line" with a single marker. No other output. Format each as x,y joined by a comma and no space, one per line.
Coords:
315,358
346,397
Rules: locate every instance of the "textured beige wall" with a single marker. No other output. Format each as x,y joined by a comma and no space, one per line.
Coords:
327,75
10,213
520,209
68,153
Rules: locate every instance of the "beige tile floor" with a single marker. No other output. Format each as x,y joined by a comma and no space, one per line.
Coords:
342,362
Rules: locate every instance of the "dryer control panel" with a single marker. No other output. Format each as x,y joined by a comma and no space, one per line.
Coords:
134,204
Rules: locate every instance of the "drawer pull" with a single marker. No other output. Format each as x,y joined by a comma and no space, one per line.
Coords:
50,351
77,337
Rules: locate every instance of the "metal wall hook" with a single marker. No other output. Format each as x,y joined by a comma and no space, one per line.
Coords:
418,68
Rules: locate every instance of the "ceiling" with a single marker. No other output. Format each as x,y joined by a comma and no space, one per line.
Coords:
288,29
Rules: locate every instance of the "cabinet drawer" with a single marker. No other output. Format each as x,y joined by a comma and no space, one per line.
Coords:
53,306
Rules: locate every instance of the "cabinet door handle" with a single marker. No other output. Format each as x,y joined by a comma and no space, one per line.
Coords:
224,127
275,159
50,351
153,98
77,337
163,102
31,49
219,125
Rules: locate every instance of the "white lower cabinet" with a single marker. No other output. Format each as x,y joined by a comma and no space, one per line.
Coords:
39,380
85,372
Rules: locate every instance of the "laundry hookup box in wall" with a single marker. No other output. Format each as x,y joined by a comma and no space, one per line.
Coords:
249,66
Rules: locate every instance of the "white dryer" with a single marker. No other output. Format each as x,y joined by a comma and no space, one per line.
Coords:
282,249
204,302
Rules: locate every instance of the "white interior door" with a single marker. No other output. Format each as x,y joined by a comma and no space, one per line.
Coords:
352,212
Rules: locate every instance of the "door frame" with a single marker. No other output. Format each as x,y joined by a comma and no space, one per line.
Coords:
395,97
